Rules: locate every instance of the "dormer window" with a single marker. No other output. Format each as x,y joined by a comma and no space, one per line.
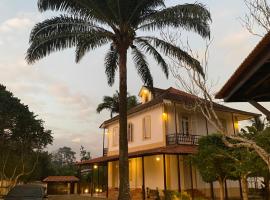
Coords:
145,95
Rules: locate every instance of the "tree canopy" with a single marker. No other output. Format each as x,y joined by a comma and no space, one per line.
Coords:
22,137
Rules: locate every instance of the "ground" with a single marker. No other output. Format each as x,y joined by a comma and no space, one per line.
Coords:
73,197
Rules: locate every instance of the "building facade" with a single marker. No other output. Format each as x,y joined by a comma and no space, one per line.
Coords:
162,132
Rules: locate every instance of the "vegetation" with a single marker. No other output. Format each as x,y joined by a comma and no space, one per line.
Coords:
112,103
22,139
87,25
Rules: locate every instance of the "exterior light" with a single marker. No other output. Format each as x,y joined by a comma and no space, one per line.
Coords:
145,92
236,125
97,190
95,166
100,190
158,159
164,116
86,191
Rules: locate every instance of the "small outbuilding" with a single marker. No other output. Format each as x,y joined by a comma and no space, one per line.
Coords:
60,185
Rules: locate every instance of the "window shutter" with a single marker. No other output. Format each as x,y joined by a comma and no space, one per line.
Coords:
147,127
130,132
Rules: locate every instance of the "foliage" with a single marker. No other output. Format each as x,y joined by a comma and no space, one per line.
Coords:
85,155
174,195
22,138
112,103
63,161
210,159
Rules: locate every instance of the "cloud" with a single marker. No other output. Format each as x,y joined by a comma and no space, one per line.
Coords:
235,39
76,140
16,23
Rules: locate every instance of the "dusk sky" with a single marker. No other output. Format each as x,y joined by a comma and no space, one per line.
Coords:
65,95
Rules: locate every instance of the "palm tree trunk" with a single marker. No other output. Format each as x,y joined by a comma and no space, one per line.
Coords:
124,193
221,188
267,193
244,187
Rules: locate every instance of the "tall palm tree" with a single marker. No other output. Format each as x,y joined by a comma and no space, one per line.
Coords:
89,24
112,103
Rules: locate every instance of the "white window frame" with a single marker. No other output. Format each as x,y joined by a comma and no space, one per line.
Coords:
130,132
146,135
115,135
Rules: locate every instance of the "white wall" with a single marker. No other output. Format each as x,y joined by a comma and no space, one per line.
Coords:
157,136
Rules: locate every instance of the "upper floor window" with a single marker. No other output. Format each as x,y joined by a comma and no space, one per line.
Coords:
185,125
115,136
224,124
146,125
130,132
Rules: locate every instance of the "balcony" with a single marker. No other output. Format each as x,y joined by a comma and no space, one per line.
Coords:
173,139
105,151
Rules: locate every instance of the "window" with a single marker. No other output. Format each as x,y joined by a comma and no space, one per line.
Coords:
146,124
185,125
224,124
130,132
115,136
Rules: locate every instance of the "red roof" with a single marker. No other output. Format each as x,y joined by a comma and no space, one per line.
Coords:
177,96
173,149
61,179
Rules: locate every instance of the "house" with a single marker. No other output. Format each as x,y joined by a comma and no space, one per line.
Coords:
59,185
251,81
162,131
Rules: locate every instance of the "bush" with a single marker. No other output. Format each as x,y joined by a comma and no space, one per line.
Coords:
173,195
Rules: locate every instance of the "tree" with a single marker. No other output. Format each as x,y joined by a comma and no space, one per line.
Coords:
85,155
89,24
22,138
112,103
212,162
63,160
257,19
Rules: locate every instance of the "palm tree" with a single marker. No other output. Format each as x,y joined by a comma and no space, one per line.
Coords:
112,103
89,24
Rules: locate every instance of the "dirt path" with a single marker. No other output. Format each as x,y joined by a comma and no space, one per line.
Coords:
73,197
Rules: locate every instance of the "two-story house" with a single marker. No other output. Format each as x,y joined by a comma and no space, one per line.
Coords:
162,131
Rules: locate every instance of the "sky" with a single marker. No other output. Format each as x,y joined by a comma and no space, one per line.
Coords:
65,95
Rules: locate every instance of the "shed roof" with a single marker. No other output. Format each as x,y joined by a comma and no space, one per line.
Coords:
61,179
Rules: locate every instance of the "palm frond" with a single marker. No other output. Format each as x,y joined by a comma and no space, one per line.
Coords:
64,23
187,16
95,10
142,67
111,65
144,44
176,52
41,47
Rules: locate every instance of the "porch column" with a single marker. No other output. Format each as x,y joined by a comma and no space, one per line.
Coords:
68,188
226,190
234,132
107,178
164,171
92,181
178,174
191,181
240,188
175,122
143,179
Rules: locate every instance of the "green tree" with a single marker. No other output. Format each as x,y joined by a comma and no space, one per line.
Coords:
22,138
85,155
63,161
89,24
112,103
211,161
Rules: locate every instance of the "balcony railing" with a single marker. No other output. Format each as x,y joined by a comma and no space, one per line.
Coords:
173,139
105,151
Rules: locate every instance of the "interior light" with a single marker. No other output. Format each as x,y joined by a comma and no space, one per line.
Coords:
100,190
86,191
164,116
95,166
97,190
157,158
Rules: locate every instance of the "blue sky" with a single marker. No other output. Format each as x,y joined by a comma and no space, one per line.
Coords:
66,94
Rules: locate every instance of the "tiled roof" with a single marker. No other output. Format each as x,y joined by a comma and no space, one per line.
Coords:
173,149
177,96
246,66
61,179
